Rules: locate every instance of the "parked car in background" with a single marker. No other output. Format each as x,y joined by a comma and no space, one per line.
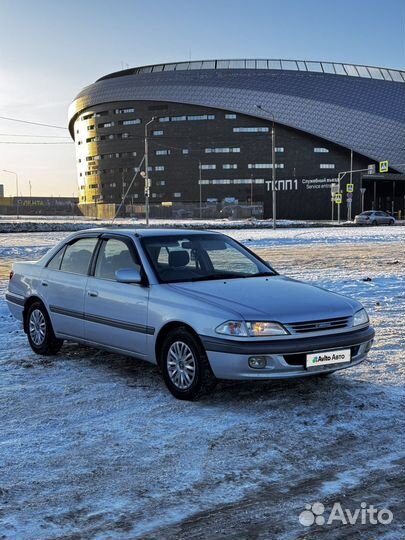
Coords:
374,217
199,304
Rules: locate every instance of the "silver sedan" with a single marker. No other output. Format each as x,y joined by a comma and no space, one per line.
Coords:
198,304
374,217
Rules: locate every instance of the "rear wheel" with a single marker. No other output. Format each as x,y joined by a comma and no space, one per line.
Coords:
185,367
40,332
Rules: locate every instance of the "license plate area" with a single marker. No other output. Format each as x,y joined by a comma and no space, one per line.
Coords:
327,358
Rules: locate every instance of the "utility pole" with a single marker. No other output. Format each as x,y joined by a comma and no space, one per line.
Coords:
16,189
147,180
29,183
273,164
200,184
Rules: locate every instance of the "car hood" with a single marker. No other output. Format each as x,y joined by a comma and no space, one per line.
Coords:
275,298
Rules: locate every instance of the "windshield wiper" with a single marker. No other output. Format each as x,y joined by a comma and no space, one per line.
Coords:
216,276
261,274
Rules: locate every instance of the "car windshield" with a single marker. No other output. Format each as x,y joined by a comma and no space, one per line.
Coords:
201,257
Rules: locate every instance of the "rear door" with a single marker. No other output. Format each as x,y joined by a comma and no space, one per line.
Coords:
116,313
63,283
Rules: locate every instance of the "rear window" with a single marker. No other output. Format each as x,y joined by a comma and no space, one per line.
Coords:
77,256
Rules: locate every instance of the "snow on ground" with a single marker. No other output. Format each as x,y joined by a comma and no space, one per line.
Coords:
93,446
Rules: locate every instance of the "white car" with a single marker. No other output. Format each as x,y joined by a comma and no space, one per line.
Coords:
374,217
199,304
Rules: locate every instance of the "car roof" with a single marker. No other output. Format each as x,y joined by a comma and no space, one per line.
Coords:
145,232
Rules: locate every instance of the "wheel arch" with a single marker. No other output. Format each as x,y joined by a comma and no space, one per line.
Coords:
172,325
28,303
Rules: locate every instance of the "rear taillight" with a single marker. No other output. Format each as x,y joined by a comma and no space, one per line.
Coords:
11,275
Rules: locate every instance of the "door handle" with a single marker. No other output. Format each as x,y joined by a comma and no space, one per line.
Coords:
44,284
93,294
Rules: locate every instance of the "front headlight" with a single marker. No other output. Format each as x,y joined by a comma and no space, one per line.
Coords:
251,329
360,317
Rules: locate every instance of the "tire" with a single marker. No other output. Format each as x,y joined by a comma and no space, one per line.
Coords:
374,223
185,367
391,222
40,332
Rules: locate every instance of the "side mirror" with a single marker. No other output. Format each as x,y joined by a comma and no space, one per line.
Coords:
128,275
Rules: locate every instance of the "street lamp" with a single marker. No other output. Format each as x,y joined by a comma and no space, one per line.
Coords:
200,190
16,186
273,162
146,175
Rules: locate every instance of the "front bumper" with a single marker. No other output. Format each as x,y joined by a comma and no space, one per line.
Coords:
284,358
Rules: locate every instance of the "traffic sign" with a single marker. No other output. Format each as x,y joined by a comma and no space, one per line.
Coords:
383,166
371,169
338,198
349,188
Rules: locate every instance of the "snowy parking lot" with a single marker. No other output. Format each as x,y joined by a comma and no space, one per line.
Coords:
93,446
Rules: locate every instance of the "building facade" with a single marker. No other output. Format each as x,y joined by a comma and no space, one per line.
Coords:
209,134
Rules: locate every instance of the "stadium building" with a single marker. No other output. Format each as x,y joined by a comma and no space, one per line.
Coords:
209,133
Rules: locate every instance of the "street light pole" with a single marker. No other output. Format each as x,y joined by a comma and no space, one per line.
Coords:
16,187
273,163
199,181
147,180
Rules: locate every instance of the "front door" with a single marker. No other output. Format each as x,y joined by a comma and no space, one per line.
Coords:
116,313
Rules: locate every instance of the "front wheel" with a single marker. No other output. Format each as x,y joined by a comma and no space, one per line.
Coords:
40,332
185,367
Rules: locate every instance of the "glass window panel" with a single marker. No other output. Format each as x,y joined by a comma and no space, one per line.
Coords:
222,64
54,263
237,64
363,72
289,64
169,67
208,64
351,70
114,255
314,66
77,256
250,64
302,66
385,74
376,73
146,69
396,75
158,67
261,64
182,66
340,70
195,65
328,68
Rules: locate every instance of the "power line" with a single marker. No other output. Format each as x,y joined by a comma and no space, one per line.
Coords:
23,142
35,136
32,123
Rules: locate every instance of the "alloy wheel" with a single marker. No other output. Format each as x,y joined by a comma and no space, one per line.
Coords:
181,365
37,327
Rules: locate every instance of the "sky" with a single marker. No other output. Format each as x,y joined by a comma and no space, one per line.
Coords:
50,50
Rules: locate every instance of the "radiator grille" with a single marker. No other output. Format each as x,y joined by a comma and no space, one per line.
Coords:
319,326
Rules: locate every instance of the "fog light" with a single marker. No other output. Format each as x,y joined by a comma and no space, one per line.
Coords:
257,362
368,346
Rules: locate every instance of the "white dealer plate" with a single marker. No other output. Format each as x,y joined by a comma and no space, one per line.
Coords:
328,357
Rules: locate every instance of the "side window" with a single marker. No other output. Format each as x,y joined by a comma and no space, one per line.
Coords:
76,258
231,260
114,255
54,263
